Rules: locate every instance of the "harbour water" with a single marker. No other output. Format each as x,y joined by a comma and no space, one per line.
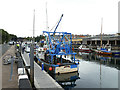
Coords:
95,71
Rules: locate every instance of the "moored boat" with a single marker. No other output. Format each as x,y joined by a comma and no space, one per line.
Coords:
102,51
115,53
105,51
84,48
58,45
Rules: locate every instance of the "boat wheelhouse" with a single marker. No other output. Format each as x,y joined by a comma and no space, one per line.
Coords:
53,59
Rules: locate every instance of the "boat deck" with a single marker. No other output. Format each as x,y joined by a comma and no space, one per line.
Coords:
26,59
41,78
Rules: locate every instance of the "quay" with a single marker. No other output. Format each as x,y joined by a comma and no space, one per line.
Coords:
41,78
19,78
8,80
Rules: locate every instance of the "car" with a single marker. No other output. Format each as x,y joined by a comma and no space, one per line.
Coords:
11,43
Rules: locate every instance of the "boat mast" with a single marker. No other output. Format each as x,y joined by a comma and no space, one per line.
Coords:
47,28
34,26
32,53
101,31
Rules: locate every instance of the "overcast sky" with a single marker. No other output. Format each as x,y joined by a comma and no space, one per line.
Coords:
80,16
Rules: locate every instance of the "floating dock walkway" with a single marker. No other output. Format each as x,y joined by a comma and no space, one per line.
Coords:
41,78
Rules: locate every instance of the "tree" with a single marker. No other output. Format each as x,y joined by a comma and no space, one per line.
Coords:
29,38
5,36
13,37
38,38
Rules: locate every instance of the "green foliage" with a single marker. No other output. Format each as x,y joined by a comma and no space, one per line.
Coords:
38,38
13,37
29,38
5,36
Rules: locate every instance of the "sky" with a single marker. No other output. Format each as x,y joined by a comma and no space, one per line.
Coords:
80,16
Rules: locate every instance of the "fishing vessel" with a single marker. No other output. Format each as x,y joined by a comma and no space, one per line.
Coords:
59,45
84,48
103,50
116,52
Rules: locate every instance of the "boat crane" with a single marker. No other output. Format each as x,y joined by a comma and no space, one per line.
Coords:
61,44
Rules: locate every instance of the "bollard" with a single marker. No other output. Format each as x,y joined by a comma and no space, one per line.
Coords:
42,66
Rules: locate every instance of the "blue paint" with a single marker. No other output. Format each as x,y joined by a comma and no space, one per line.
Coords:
105,50
42,41
58,24
42,66
116,53
74,77
73,66
74,58
103,58
47,63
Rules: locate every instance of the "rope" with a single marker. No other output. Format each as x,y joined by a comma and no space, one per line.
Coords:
54,25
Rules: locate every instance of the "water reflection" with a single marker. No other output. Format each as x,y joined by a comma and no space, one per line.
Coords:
67,80
111,61
98,71
94,71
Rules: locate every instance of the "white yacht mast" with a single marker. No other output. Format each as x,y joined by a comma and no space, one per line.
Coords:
47,28
101,31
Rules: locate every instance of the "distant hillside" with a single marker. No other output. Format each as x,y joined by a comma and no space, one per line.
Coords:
6,37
